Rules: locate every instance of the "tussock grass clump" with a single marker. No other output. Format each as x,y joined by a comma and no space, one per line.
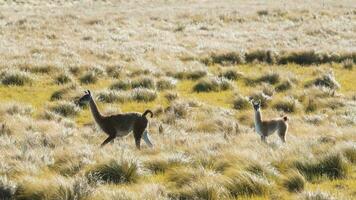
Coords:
271,78
287,105
326,80
312,57
231,58
66,109
16,108
262,12
246,184
7,188
63,78
171,96
311,106
114,171
260,96
350,154
212,85
317,195
143,82
193,75
121,85
157,165
166,83
332,166
348,64
294,182
42,69
112,96
88,78
284,85
199,190
15,77
113,71
181,176
241,103
265,56
67,190
59,94
143,94
231,74
301,58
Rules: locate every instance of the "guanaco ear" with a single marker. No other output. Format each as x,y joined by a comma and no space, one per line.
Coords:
88,92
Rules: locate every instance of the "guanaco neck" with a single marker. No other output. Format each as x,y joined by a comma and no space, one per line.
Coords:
258,117
94,110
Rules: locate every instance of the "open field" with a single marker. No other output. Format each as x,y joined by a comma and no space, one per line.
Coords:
195,64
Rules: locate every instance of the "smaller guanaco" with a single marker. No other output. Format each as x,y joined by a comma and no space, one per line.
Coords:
266,128
119,125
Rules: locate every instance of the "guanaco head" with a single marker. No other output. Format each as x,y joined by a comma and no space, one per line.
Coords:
86,98
256,105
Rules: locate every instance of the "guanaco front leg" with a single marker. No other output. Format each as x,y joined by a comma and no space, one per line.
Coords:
110,138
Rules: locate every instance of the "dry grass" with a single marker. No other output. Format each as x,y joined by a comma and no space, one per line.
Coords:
195,65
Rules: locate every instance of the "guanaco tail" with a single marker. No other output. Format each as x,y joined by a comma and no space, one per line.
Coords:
266,128
119,125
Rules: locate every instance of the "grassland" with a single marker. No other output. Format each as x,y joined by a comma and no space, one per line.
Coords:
195,64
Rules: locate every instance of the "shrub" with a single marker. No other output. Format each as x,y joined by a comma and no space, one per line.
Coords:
15,77
294,182
112,96
348,64
287,105
283,86
212,85
166,83
241,103
231,58
142,94
7,188
332,166
271,78
63,78
65,109
326,80
143,82
89,77
114,171
121,85
231,74
246,184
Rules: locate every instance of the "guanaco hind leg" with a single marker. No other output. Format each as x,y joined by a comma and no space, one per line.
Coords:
146,138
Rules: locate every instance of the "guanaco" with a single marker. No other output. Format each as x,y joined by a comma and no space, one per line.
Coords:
266,128
119,125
